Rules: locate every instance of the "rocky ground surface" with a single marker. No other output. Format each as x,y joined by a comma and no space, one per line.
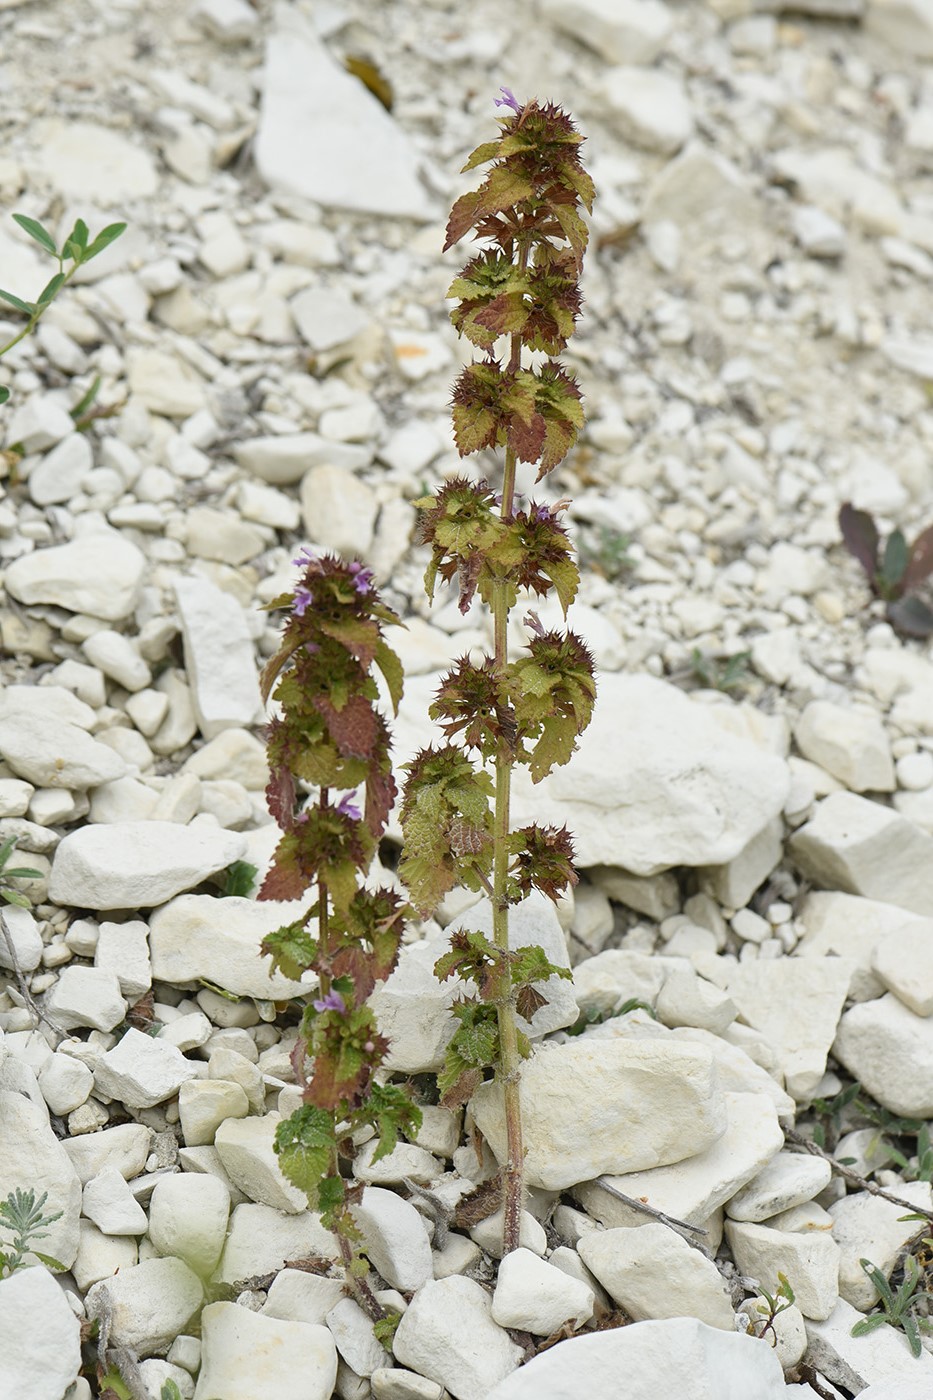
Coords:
756,859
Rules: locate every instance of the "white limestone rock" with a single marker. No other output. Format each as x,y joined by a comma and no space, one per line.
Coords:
188,1215
295,1296
339,512
358,159
536,1297
648,108
796,1004
65,1083
903,962
810,1260
219,657
40,1341
734,882
63,757
703,1362
125,1147
25,937
101,1256
78,156
699,189
136,865
99,574
866,1226
149,1304
197,936
653,1272
355,1340
284,460
228,21
668,787
693,1189
395,1238
111,1205
260,1239
849,743
33,1159
574,1133
907,25
448,1335
245,1148
819,235
860,847
117,657
246,1354
86,996
60,474
326,317
889,1050
622,31
789,1179
141,1071
850,927
203,1104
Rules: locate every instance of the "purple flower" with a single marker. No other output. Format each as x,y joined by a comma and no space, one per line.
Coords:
332,1002
303,600
542,513
305,557
362,577
348,808
508,99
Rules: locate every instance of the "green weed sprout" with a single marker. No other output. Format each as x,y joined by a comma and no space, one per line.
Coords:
77,249
21,1217
8,894
524,285
771,1308
897,1309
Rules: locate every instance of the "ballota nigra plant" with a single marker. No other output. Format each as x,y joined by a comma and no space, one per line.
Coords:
523,285
330,734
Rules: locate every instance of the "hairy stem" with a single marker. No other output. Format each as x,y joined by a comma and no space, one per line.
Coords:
359,1287
514,1168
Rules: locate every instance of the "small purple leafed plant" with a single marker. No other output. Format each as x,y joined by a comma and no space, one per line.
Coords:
330,734
524,285
895,572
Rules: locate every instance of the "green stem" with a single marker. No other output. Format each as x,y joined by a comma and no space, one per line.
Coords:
510,1059
37,315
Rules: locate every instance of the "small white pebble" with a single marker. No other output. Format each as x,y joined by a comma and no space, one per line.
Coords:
915,771
750,927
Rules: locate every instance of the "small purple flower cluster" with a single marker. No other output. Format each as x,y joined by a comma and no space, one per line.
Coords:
348,808
362,578
333,1001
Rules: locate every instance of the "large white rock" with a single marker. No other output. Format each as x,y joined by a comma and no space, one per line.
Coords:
907,25
245,1355
413,1007
849,743
188,1215
889,1050
59,475
87,996
448,1335
355,155
809,1259
77,156
149,1304
850,927
656,782
245,1146
693,1189
98,574
63,757
903,962
338,511
591,1107
219,657
395,1238
296,1296
622,31
135,865
125,1147
197,936
536,1297
648,108
141,1071
685,1356
700,190
796,1004
353,1334
111,1205
866,1226
40,1337
283,460
25,937
652,1272
860,847
788,1180
32,1158
261,1238
203,1104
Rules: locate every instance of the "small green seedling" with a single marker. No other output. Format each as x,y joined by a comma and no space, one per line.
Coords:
771,1307
21,1217
239,879
895,572
8,894
897,1309
77,249
728,674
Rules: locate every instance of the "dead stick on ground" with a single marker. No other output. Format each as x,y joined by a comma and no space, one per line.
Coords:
24,991
850,1175
653,1211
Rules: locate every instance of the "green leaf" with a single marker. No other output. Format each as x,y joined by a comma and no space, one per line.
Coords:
79,235
391,668
240,877
15,897
291,948
50,289
4,393
896,558
912,1333
305,1145
868,1324
102,241
86,399
49,1261
36,231
385,1328
26,307
391,1112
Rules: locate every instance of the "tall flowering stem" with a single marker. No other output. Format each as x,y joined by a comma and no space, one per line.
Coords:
520,289
330,734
